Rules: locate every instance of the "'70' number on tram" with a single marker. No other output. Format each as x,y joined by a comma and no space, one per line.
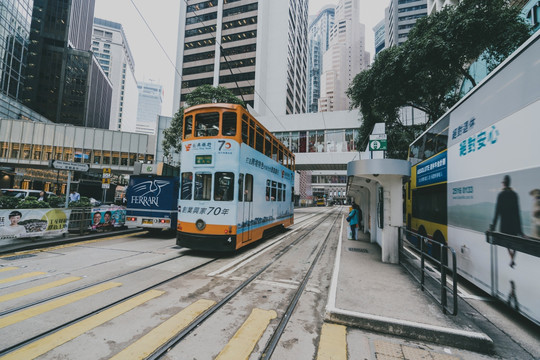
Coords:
224,145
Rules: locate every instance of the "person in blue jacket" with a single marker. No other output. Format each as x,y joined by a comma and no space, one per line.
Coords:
353,220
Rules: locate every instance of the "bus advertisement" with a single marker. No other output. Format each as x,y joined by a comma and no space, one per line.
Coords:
486,181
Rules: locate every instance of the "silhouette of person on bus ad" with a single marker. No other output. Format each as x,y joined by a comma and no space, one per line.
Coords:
507,210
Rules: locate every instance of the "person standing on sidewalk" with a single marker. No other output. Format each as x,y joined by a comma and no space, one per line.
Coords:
353,220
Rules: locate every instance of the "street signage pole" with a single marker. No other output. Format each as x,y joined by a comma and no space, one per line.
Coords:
69,166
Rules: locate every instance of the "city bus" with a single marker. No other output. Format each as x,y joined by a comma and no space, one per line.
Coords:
475,181
236,181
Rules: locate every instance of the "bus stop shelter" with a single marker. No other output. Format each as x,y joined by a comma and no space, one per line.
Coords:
376,185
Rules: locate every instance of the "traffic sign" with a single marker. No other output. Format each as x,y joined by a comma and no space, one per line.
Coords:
69,165
378,142
107,173
378,145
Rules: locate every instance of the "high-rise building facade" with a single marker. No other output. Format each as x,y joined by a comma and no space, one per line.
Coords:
345,58
111,48
379,30
64,83
260,53
319,40
149,107
401,18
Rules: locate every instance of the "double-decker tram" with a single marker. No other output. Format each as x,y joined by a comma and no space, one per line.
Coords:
475,182
237,179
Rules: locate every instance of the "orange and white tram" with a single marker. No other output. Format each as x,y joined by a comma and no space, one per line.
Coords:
237,179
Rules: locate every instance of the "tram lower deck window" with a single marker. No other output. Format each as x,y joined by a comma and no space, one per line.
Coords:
224,186
203,186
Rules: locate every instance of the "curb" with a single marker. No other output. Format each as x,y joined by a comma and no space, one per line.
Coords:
469,340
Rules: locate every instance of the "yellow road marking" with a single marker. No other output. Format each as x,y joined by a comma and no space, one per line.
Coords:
333,343
9,268
35,289
146,345
40,309
60,337
242,343
20,277
69,245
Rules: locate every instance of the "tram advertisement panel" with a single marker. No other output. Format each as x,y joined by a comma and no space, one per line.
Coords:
28,223
488,169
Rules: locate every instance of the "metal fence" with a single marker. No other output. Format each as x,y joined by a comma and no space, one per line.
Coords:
436,277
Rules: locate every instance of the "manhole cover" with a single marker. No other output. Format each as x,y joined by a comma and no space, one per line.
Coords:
16,257
358,250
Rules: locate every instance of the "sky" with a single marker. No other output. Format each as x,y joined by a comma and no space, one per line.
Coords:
155,62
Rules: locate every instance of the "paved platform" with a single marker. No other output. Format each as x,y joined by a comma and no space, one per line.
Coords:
376,296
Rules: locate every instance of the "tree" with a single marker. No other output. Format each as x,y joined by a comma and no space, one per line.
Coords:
204,94
426,71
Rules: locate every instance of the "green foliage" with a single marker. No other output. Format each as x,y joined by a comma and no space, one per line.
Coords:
426,71
204,94
32,202
57,201
8,202
83,202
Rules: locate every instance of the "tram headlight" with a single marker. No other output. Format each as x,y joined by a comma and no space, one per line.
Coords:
200,224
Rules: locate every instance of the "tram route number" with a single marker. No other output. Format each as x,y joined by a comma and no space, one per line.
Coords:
211,210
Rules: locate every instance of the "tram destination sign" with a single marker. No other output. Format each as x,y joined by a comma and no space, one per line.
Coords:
68,165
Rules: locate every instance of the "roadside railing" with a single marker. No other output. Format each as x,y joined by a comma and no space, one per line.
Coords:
414,250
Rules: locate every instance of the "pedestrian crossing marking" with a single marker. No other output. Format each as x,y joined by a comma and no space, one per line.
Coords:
243,342
22,276
40,309
333,342
35,289
158,336
62,336
8,268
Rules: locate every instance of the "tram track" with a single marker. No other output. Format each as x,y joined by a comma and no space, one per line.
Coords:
283,322
301,226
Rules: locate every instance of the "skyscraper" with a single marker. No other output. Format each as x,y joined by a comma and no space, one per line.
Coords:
111,48
64,82
149,107
319,39
345,57
401,18
260,53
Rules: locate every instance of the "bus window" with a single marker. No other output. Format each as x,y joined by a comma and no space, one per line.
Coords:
259,141
187,186
267,145
229,124
252,136
274,191
248,192
268,190
284,192
280,191
280,155
188,126
224,186
244,129
206,124
241,187
274,151
292,194
203,186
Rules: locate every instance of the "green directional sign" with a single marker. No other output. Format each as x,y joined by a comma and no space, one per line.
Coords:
378,145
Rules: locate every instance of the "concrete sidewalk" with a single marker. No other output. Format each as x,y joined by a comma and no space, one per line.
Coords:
376,296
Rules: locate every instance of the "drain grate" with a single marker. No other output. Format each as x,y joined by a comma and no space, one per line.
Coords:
359,250
17,257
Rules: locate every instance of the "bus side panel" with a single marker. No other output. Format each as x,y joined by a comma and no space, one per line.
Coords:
490,141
